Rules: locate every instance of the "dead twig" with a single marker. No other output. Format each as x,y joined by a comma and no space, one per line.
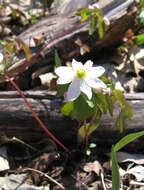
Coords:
14,139
102,180
47,176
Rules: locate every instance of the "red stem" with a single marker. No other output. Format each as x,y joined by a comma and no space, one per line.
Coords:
35,115
79,124
91,122
86,134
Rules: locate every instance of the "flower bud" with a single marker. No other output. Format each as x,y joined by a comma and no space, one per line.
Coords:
97,90
93,7
106,21
107,91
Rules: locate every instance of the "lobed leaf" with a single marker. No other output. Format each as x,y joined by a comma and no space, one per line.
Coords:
85,13
140,39
93,25
92,128
67,108
81,110
101,102
62,89
124,118
119,97
111,103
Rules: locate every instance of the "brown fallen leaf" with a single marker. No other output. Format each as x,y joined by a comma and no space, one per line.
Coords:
42,163
4,164
93,166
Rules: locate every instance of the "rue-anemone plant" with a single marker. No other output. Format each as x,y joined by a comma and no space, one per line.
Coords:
97,21
88,94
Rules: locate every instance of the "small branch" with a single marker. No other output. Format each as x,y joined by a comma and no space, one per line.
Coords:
47,176
136,183
22,142
102,180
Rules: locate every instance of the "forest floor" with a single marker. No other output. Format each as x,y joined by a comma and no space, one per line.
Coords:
24,168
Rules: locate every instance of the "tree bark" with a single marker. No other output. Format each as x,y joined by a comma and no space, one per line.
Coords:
62,31
16,119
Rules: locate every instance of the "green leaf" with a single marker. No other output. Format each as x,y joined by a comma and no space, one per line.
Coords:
139,39
106,81
119,97
91,103
124,118
62,89
88,152
9,48
81,111
85,13
96,123
56,2
92,128
111,103
67,108
101,102
141,4
141,18
93,25
92,145
57,59
102,27
115,172
127,139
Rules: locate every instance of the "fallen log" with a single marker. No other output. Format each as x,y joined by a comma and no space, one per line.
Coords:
62,31
16,119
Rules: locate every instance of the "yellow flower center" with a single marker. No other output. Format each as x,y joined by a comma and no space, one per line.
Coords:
81,73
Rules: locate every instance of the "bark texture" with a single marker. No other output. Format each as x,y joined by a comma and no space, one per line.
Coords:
61,32
16,119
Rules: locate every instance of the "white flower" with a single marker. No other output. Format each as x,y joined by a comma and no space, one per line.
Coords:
82,78
1,57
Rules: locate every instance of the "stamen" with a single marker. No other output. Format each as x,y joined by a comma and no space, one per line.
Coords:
81,73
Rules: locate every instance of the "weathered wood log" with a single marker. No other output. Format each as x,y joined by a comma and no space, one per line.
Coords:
62,31
16,119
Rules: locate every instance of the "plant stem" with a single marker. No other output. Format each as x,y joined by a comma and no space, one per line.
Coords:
35,115
86,134
78,127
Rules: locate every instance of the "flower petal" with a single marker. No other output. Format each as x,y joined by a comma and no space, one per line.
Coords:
88,64
65,72
73,90
95,83
1,57
62,80
86,89
76,65
95,72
